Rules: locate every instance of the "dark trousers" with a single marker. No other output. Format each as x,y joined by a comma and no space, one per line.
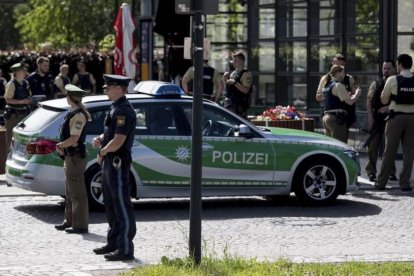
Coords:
374,148
118,206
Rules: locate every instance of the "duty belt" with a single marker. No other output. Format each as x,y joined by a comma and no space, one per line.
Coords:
403,113
335,112
23,108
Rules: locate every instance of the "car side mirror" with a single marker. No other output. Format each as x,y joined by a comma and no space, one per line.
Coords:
244,131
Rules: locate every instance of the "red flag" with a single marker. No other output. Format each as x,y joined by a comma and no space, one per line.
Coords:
125,60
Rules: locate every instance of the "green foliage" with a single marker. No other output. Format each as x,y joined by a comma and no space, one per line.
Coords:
239,267
9,36
107,43
69,23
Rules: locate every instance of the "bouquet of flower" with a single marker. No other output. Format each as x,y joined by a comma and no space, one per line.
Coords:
281,113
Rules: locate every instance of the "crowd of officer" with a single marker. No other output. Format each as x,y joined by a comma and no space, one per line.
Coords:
390,104
95,62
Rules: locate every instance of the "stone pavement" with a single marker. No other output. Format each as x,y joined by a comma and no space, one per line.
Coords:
367,225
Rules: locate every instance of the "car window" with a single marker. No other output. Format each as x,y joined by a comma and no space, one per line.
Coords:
96,125
215,122
156,120
39,119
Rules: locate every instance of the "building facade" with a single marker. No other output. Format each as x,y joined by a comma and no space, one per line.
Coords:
289,44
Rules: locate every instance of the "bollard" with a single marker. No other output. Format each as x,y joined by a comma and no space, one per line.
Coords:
3,150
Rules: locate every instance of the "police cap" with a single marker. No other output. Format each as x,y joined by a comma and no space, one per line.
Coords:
115,80
74,91
16,67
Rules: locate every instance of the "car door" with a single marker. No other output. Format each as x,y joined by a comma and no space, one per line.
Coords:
230,160
161,152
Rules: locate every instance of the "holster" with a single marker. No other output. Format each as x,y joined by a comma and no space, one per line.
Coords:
341,118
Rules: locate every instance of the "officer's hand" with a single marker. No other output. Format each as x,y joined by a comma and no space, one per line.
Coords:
231,81
384,109
99,159
59,149
96,142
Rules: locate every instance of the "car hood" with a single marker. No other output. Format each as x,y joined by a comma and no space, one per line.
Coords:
302,137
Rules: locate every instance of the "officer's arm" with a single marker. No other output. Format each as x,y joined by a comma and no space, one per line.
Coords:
344,96
386,92
113,145
9,94
219,89
319,95
92,80
352,84
371,92
71,141
185,80
245,83
75,79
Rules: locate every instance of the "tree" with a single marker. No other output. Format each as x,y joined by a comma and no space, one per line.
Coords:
9,36
65,24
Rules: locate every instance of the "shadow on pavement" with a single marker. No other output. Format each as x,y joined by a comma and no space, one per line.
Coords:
216,209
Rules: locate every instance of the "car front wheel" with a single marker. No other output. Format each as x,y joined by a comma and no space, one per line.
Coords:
318,181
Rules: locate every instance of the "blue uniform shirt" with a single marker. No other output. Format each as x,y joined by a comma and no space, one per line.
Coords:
121,119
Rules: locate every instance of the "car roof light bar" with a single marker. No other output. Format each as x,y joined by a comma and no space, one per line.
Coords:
158,89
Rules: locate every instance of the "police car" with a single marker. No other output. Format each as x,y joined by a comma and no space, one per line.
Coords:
239,158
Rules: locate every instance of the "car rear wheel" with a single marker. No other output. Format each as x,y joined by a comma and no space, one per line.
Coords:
318,181
93,182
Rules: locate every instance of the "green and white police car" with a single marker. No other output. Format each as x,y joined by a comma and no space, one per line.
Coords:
239,158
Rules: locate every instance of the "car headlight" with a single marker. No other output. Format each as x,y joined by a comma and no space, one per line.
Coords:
354,155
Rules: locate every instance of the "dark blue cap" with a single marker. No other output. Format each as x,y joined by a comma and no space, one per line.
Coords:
115,80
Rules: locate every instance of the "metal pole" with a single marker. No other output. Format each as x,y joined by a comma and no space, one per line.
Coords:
196,146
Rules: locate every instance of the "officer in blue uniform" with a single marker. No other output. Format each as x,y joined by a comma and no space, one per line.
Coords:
17,97
115,156
41,81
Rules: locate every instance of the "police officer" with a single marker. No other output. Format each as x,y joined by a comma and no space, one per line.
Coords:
400,91
72,149
115,156
377,112
84,79
17,98
211,82
238,86
349,83
61,81
335,97
41,81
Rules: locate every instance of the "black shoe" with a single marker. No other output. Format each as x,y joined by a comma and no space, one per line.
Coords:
372,177
74,230
62,226
393,177
406,189
104,250
379,187
118,256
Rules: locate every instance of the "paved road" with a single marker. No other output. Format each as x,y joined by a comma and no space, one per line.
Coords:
366,225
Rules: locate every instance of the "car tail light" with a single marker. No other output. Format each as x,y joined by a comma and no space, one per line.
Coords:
41,147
